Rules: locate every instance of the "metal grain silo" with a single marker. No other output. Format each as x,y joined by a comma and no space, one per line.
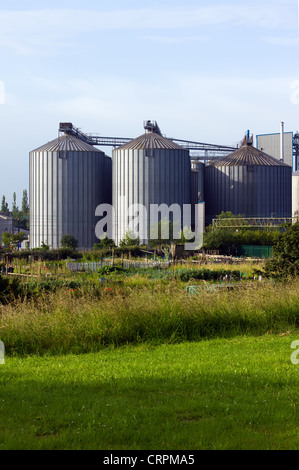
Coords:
68,180
148,170
248,182
295,194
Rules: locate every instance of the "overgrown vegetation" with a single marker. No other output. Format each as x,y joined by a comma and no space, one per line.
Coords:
285,260
88,318
225,237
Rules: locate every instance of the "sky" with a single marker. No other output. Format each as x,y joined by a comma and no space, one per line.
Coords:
205,70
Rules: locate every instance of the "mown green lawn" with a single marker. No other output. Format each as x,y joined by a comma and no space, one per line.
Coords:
239,393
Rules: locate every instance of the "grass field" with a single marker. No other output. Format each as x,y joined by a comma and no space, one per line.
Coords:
239,393
138,363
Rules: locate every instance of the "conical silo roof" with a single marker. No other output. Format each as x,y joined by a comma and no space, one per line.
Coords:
67,143
150,140
247,155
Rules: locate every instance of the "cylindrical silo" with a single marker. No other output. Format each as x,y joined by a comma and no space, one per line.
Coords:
295,194
68,180
248,182
150,170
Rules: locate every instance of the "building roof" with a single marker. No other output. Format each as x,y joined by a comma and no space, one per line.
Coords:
67,143
5,216
248,155
150,140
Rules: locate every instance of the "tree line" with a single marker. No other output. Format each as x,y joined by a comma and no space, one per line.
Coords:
20,215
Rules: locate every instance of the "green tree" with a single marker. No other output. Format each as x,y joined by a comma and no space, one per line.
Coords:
12,240
129,240
4,206
105,242
285,260
14,203
25,204
69,241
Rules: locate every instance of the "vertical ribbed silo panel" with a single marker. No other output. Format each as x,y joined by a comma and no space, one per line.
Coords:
39,200
219,195
50,199
249,175
162,180
59,198
207,185
80,164
128,156
227,182
64,195
154,176
85,215
131,185
45,197
271,183
35,192
72,213
90,200
283,197
263,191
122,194
38,209
258,188
235,189
288,188
55,213
283,192
177,194
117,193
136,177
219,191
277,190
172,176
31,198
146,183
241,189
114,193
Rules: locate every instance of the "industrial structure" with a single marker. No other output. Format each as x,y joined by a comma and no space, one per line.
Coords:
150,170
283,146
70,178
248,182
6,224
295,194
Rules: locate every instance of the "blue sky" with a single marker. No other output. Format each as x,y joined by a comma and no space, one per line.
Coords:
204,70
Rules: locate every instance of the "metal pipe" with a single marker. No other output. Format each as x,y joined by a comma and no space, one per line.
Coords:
282,141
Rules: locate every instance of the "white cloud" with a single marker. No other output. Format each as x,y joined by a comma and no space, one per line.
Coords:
26,32
177,39
283,41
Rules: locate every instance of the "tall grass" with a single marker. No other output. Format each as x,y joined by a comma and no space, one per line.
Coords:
61,322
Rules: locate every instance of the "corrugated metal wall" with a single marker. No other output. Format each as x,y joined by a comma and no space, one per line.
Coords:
254,191
295,194
148,176
65,190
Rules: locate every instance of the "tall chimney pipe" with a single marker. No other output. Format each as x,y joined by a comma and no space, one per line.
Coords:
282,141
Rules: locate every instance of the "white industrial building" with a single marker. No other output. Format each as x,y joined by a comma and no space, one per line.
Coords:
6,224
